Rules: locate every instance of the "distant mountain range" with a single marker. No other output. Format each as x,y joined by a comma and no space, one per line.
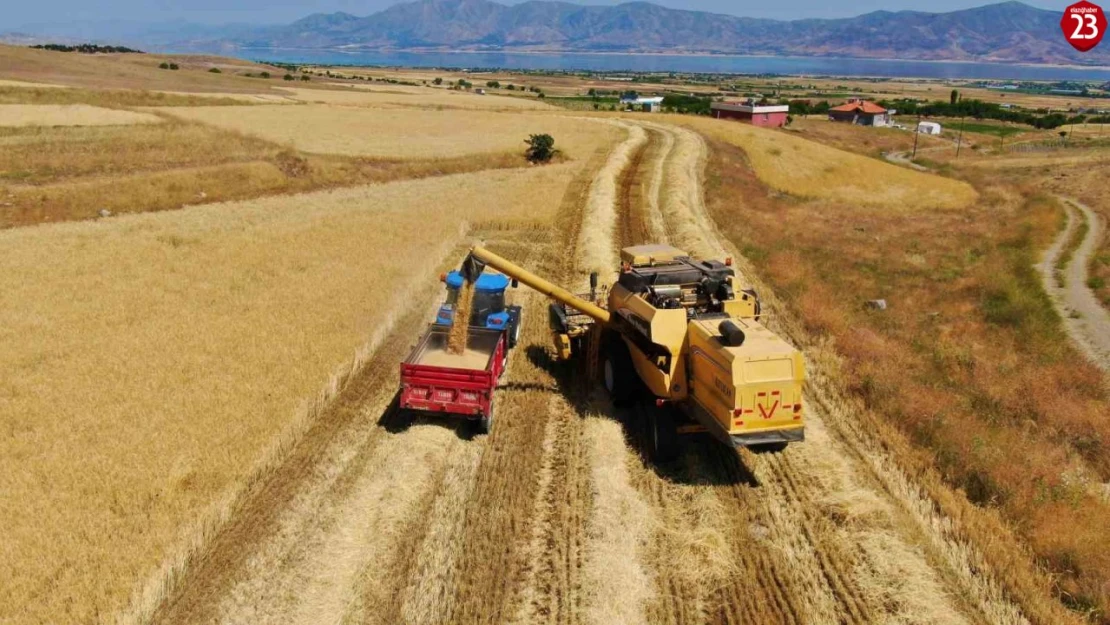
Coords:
1007,32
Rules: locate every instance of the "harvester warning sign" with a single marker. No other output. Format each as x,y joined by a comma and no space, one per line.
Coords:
1083,24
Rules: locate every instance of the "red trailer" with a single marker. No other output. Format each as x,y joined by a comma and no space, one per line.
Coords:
438,381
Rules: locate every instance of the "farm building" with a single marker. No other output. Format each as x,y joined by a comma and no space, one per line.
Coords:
928,128
647,105
773,116
860,112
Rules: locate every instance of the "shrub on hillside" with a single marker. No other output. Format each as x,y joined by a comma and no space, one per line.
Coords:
215,70
540,148
292,164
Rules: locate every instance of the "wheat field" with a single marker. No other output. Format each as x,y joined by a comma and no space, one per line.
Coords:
209,392
69,115
186,341
402,134
392,96
803,168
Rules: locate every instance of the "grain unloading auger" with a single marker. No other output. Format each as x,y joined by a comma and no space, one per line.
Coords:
675,328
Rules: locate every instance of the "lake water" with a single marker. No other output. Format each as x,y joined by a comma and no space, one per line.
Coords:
719,64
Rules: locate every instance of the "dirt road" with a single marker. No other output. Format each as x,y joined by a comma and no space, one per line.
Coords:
556,517
1086,319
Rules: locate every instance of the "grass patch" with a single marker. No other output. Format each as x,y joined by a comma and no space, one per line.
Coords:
970,362
986,129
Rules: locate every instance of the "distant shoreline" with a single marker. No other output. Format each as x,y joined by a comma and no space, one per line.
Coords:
676,53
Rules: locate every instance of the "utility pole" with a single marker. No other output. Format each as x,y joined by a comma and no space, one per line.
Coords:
916,131
960,138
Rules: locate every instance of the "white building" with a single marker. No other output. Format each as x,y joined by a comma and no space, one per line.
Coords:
647,105
928,128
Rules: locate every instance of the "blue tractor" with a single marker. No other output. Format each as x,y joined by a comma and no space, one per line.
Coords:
488,309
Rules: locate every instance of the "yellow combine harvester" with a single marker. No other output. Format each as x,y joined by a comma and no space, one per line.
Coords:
675,328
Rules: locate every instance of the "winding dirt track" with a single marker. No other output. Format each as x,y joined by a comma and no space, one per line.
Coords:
555,517
1085,318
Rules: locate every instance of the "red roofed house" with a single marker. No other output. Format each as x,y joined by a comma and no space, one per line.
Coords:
860,112
773,116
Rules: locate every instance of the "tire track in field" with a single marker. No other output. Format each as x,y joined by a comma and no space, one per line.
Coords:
558,586
879,533
810,536
522,553
462,555
709,551
1085,318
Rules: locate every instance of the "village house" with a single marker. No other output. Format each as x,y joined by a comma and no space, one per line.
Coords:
862,112
767,115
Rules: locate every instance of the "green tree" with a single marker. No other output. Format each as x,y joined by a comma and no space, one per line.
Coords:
305,78
540,148
592,92
173,65
288,77
438,81
493,84
265,74
215,70
163,66
954,97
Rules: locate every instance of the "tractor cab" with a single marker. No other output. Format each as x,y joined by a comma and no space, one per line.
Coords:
488,309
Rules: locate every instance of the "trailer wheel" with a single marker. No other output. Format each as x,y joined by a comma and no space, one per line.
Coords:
485,423
664,436
514,336
619,376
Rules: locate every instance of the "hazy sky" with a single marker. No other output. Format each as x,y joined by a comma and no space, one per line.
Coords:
21,13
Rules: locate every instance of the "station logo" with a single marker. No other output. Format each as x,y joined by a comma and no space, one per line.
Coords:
1083,24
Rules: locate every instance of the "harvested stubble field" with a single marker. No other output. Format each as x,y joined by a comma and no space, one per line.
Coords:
805,169
187,341
61,174
192,484
401,134
436,98
16,115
